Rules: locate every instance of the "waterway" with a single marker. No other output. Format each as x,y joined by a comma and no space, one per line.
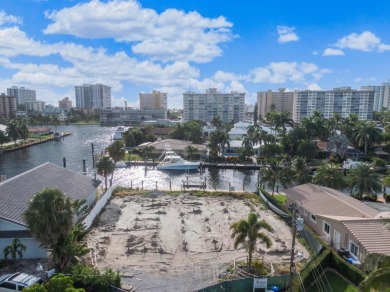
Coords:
77,147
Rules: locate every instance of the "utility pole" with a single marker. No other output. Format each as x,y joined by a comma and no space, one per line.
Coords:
297,225
292,263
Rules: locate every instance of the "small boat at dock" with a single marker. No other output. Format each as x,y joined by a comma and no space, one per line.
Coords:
169,160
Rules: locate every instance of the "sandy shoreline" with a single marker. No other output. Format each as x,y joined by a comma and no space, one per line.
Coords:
165,243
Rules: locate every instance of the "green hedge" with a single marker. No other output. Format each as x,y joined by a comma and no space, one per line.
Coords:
377,281
350,272
310,272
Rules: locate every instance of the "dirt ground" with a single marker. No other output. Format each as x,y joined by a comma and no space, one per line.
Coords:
165,243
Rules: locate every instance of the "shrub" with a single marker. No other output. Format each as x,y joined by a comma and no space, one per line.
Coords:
379,162
352,273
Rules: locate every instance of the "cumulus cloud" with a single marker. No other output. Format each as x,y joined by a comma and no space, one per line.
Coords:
366,42
333,52
5,18
170,35
313,86
286,34
281,72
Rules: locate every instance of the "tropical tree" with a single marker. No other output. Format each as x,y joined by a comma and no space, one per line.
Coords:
363,180
191,150
147,151
15,249
366,134
246,232
279,120
273,173
217,122
56,215
116,151
301,170
330,176
105,167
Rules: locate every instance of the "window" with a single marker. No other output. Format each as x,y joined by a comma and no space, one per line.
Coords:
7,285
313,218
353,248
305,212
326,228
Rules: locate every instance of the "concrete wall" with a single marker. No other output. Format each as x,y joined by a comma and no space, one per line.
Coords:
33,249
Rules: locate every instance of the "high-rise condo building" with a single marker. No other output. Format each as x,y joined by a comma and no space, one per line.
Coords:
35,106
280,101
381,97
95,95
22,94
156,99
343,101
205,106
65,103
8,106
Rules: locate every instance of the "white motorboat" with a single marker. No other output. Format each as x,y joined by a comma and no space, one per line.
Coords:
169,160
57,136
118,134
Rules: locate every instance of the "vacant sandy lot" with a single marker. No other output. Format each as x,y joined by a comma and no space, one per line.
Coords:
165,243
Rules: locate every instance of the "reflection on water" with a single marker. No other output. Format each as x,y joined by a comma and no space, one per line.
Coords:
77,147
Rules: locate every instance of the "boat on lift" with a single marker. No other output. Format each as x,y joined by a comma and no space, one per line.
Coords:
169,160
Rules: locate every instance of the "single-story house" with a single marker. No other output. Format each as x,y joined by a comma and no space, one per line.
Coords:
162,133
16,192
341,220
178,146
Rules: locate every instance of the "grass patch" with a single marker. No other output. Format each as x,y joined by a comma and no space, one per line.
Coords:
337,283
280,198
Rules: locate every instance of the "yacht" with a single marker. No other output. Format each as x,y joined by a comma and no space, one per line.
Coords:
118,134
169,160
57,136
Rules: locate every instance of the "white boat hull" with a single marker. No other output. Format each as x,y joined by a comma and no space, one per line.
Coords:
176,166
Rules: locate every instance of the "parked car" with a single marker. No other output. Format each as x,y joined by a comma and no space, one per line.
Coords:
348,256
18,281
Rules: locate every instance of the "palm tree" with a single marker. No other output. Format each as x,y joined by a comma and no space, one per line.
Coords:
148,150
105,167
366,134
246,232
15,249
56,215
330,176
217,122
273,173
191,150
301,170
363,180
116,151
280,120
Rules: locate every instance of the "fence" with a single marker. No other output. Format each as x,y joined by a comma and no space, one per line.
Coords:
97,208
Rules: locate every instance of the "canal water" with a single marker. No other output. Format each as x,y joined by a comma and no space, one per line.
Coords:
77,147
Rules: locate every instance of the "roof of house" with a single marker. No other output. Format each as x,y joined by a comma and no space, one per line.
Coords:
176,145
374,235
16,192
319,200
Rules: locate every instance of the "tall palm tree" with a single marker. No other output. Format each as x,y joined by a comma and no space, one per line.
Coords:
366,134
330,176
116,151
217,121
301,170
147,151
105,167
15,249
247,232
272,173
279,120
191,150
363,180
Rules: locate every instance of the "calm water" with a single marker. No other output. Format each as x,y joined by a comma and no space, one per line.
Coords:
77,147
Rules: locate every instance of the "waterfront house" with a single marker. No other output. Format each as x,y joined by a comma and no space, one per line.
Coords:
16,192
341,220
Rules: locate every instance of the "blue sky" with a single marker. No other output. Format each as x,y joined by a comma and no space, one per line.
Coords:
192,45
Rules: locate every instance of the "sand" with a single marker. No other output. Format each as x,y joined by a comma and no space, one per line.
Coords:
165,243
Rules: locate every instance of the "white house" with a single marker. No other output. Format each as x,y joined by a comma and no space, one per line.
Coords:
16,192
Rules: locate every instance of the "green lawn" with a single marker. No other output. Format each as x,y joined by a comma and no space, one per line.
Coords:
280,198
337,283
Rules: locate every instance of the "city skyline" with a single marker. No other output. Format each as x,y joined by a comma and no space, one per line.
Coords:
178,46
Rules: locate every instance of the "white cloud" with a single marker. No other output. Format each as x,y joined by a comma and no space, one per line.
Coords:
281,72
172,35
286,34
333,52
383,47
366,41
5,18
313,86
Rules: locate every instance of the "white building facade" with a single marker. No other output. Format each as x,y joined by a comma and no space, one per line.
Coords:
95,95
381,95
22,94
205,106
343,101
